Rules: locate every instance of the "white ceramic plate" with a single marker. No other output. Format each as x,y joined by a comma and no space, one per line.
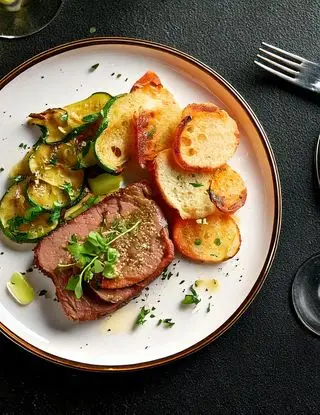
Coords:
61,76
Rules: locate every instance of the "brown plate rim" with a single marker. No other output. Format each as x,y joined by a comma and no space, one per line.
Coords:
277,198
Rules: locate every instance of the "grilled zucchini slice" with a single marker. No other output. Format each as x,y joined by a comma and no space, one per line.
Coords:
113,145
34,230
63,124
45,155
14,203
46,196
66,179
22,222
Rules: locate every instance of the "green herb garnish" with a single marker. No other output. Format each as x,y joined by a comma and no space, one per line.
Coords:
55,214
192,298
141,319
151,133
217,241
95,256
67,186
18,178
196,184
53,159
90,119
94,67
31,213
64,117
119,74
167,322
92,29
1,169
208,308
197,241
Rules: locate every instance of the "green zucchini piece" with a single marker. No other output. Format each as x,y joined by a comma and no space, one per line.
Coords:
46,196
113,145
87,157
36,229
84,204
66,154
71,181
22,222
104,183
41,156
14,203
63,124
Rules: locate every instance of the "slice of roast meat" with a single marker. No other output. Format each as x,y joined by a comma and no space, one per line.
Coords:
144,252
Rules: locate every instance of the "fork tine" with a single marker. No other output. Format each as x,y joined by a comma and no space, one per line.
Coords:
284,52
277,73
281,59
278,65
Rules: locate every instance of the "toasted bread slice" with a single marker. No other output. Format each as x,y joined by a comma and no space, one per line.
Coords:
154,130
147,96
187,192
227,190
216,240
206,138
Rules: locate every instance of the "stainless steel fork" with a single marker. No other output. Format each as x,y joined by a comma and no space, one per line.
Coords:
290,67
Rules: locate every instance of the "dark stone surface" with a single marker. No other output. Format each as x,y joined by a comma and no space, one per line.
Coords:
267,363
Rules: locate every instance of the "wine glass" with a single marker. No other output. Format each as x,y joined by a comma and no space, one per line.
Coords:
19,18
306,283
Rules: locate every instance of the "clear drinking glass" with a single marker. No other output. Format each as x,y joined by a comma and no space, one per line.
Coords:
19,18
306,283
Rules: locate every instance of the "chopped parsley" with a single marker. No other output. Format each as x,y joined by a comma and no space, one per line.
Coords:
53,159
1,169
196,184
118,76
94,67
64,117
197,241
167,322
55,214
217,241
24,146
192,298
92,29
67,186
151,133
141,319
18,178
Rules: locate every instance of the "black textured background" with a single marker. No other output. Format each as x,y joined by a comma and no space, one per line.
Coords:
267,363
